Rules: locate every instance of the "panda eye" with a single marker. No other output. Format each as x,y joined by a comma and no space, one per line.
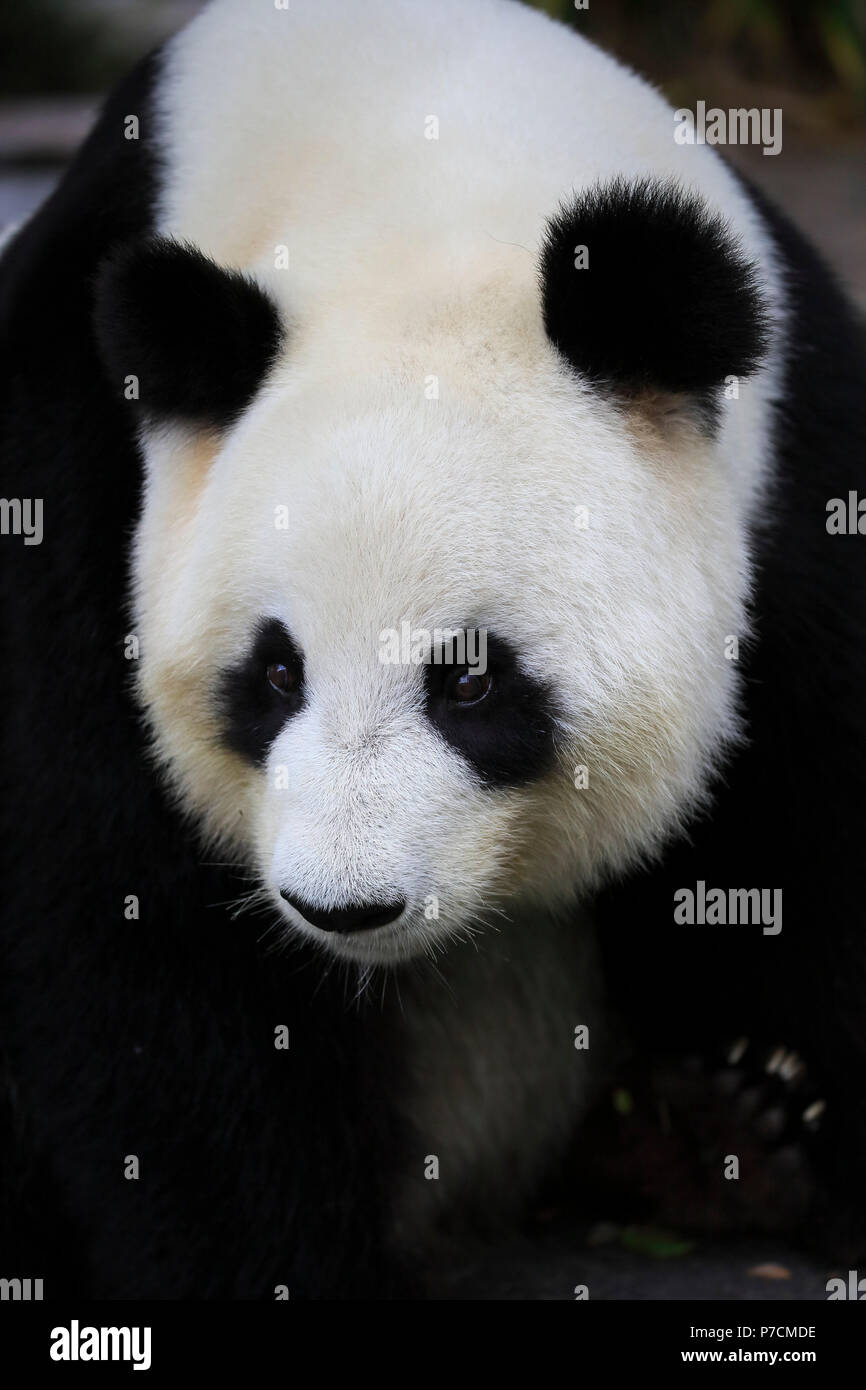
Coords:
282,678
465,687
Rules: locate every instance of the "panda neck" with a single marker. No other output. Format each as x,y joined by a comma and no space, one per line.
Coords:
497,1083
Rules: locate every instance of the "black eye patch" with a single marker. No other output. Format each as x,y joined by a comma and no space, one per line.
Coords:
258,695
507,736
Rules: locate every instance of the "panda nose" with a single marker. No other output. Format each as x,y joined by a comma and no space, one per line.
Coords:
358,917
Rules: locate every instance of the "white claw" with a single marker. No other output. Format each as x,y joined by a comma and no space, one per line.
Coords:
813,1112
737,1052
791,1067
776,1060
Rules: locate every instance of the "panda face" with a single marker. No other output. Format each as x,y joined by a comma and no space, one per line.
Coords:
597,553
460,469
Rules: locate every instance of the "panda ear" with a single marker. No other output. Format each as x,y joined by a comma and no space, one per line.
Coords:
198,338
644,290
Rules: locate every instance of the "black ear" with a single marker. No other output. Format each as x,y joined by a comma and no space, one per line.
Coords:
198,338
665,301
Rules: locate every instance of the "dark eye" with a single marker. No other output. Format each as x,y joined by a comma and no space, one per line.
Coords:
284,679
465,687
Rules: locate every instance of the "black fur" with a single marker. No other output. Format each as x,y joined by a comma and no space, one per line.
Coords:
252,711
790,811
666,303
198,337
152,1037
508,738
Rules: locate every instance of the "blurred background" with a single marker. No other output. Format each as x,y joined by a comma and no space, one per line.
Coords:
59,57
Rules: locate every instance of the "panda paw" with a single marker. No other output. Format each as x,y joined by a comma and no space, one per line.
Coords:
714,1144
749,1119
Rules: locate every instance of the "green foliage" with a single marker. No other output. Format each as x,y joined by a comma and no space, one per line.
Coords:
791,39
655,1242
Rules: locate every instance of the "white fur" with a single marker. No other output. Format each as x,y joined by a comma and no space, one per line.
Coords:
6,235
410,259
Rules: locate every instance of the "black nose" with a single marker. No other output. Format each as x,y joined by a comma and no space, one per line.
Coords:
358,917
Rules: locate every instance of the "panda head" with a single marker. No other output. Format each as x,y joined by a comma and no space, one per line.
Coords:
435,569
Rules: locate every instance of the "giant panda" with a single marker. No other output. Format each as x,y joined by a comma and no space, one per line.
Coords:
322,950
